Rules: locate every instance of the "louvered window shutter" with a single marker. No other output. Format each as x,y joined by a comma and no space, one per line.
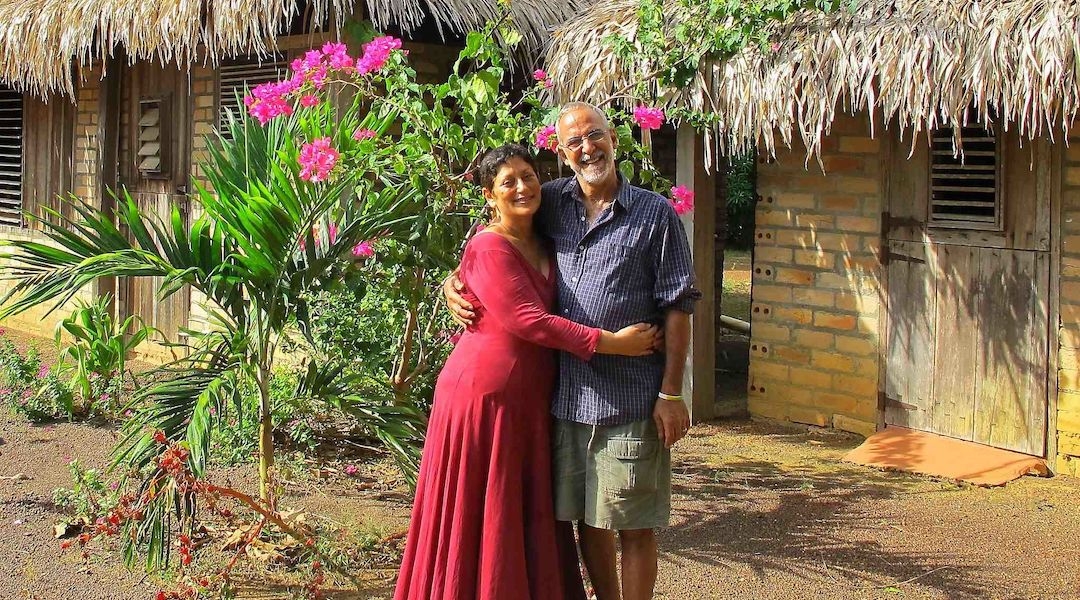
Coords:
153,137
965,187
240,75
11,159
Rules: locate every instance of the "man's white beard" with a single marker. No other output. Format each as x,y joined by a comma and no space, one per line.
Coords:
595,173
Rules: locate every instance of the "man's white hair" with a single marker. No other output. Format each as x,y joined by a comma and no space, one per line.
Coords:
570,107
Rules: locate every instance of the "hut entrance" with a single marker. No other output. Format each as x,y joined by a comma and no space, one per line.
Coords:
967,256
155,118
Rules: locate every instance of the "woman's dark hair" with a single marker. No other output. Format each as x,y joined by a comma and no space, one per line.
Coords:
495,159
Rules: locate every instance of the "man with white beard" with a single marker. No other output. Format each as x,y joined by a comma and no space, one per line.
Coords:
623,258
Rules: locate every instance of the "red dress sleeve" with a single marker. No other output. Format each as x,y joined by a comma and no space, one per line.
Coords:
494,274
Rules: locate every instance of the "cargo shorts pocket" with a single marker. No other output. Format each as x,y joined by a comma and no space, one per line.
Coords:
631,466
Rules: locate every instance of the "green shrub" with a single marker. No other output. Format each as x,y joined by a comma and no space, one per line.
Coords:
30,388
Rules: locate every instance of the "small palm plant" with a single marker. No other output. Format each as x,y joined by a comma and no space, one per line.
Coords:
293,196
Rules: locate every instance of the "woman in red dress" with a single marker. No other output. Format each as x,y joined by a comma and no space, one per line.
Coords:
483,524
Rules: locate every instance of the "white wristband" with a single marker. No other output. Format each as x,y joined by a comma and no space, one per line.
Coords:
673,398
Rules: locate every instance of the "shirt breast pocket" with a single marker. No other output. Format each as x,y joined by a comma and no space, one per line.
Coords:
626,265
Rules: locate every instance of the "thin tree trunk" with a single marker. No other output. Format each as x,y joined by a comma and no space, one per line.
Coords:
266,436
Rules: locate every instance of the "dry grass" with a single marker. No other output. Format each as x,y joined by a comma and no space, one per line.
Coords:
40,40
918,63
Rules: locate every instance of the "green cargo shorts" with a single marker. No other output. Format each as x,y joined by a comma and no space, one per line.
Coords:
612,477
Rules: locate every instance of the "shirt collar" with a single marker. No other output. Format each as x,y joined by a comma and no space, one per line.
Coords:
623,195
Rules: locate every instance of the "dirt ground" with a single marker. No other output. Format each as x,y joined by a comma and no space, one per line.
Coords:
760,511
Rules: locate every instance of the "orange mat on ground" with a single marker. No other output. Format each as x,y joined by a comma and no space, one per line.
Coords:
913,451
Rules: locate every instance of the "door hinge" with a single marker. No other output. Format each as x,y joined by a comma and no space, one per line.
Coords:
888,402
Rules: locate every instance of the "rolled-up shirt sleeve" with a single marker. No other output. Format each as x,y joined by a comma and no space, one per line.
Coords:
674,266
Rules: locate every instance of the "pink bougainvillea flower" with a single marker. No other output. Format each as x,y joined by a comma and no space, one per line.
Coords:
540,75
43,371
317,159
337,56
775,46
648,118
267,101
548,84
331,230
364,249
363,134
376,53
309,100
546,138
682,199
351,470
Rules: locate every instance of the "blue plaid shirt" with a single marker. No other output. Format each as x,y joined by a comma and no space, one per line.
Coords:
632,266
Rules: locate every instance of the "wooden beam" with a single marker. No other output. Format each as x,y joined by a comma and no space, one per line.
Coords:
699,385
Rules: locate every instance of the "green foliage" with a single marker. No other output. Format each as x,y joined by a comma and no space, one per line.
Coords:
741,200
30,388
89,497
674,38
235,439
98,348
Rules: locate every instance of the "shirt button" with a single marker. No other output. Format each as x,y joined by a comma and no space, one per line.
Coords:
574,280
581,247
566,311
583,219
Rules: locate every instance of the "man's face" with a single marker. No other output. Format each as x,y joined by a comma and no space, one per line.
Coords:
588,146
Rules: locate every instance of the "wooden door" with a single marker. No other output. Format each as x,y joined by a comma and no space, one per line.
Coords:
966,351
155,152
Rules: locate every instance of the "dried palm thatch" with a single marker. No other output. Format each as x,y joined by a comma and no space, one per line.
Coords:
916,63
39,41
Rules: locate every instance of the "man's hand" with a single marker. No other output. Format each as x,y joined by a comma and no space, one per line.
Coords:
672,421
461,311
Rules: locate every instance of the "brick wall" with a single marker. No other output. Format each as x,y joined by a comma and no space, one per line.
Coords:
1068,401
814,336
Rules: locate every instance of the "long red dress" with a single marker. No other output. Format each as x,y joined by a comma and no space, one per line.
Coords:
483,524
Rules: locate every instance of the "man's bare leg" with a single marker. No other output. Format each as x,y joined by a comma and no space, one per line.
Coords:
598,554
638,563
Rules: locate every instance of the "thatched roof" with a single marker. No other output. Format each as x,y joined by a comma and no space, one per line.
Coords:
40,39
922,62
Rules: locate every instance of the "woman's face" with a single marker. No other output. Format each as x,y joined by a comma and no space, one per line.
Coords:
515,191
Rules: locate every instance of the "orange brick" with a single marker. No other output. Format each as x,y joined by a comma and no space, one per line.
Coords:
790,394
867,367
815,258
867,263
1068,401
775,218
833,402
858,386
1068,422
837,163
834,321
831,361
815,221
810,377
792,200
1072,153
1069,444
840,203
863,428
768,371
855,185
771,254
858,224
771,293
813,339
1072,175
769,332
859,145
794,276
1068,379
792,354
808,416
812,297
802,316
855,345
856,302
760,407
1070,291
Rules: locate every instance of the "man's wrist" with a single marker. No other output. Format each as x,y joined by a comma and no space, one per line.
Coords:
670,397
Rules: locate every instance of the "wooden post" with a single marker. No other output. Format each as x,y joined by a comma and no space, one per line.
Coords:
699,381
